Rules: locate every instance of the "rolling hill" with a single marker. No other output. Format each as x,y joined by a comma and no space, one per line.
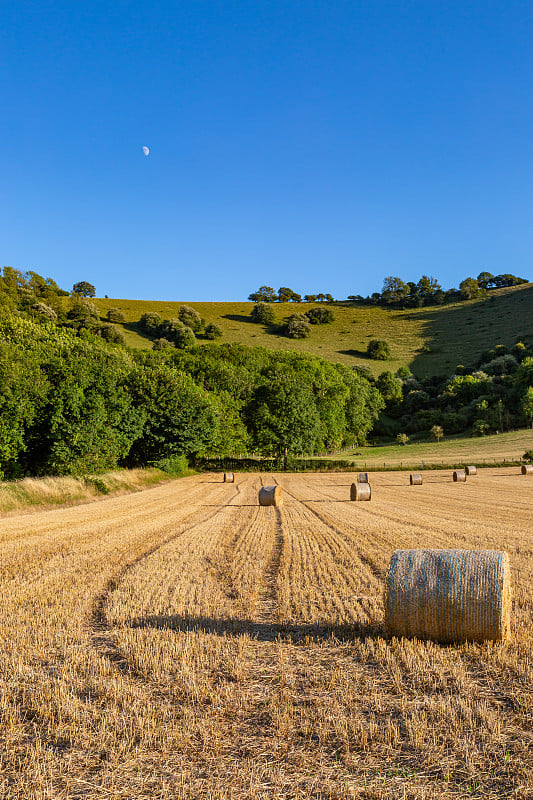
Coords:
429,341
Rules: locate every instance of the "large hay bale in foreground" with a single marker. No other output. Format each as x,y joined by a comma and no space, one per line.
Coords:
449,595
527,469
271,496
229,477
360,491
459,475
471,470
362,477
415,479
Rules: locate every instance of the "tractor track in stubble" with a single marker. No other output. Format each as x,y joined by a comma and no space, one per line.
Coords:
268,600
100,631
376,572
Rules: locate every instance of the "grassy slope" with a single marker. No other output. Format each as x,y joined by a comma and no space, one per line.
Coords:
454,334
510,446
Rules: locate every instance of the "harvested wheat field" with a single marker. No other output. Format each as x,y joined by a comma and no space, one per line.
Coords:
184,642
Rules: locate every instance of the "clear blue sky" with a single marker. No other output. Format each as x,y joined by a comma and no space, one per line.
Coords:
317,144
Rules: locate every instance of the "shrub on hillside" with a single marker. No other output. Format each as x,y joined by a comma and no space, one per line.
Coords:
115,315
184,337
212,331
298,327
502,365
378,349
161,344
320,316
150,322
191,318
519,351
82,314
43,312
110,333
263,313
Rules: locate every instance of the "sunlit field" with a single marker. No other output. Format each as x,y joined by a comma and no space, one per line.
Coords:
183,642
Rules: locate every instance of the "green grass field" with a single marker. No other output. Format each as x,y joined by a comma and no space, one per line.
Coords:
460,449
428,340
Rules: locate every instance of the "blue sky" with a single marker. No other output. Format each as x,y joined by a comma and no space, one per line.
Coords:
311,144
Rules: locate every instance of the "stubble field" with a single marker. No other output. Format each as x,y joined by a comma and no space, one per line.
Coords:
184,642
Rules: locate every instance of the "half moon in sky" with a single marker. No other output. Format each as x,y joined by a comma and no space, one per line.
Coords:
146,150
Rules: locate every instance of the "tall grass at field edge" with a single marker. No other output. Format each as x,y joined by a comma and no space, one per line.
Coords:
49,492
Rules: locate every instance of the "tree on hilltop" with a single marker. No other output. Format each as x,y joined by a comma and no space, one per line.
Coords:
265,294
84,289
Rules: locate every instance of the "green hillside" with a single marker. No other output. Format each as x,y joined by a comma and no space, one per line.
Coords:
427,340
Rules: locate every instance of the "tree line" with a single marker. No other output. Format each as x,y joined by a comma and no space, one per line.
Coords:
398,293
428,292
74,402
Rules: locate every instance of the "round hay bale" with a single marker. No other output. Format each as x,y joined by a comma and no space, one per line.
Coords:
415,479
471,470
362,477
459,475
449,595
527,469
360,491
271,496
229,477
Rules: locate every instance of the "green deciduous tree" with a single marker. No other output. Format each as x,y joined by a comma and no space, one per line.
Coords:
84,289
526,405
437,432
179,416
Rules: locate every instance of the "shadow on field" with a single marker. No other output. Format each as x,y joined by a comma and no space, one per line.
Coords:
262,631
354,353
239,318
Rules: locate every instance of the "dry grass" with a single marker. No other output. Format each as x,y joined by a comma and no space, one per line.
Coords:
183,642
30,494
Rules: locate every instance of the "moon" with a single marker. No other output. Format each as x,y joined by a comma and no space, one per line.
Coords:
146,150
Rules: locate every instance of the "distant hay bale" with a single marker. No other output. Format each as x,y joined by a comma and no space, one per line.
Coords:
229,477
527,469
360,491
471,470
362,477
271,496
459,475
449,595
415,479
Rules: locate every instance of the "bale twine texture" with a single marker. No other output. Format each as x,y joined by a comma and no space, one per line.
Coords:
471,470
362,477
415,479
360,491
449,595
229,477
527,469
459,475
271,496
